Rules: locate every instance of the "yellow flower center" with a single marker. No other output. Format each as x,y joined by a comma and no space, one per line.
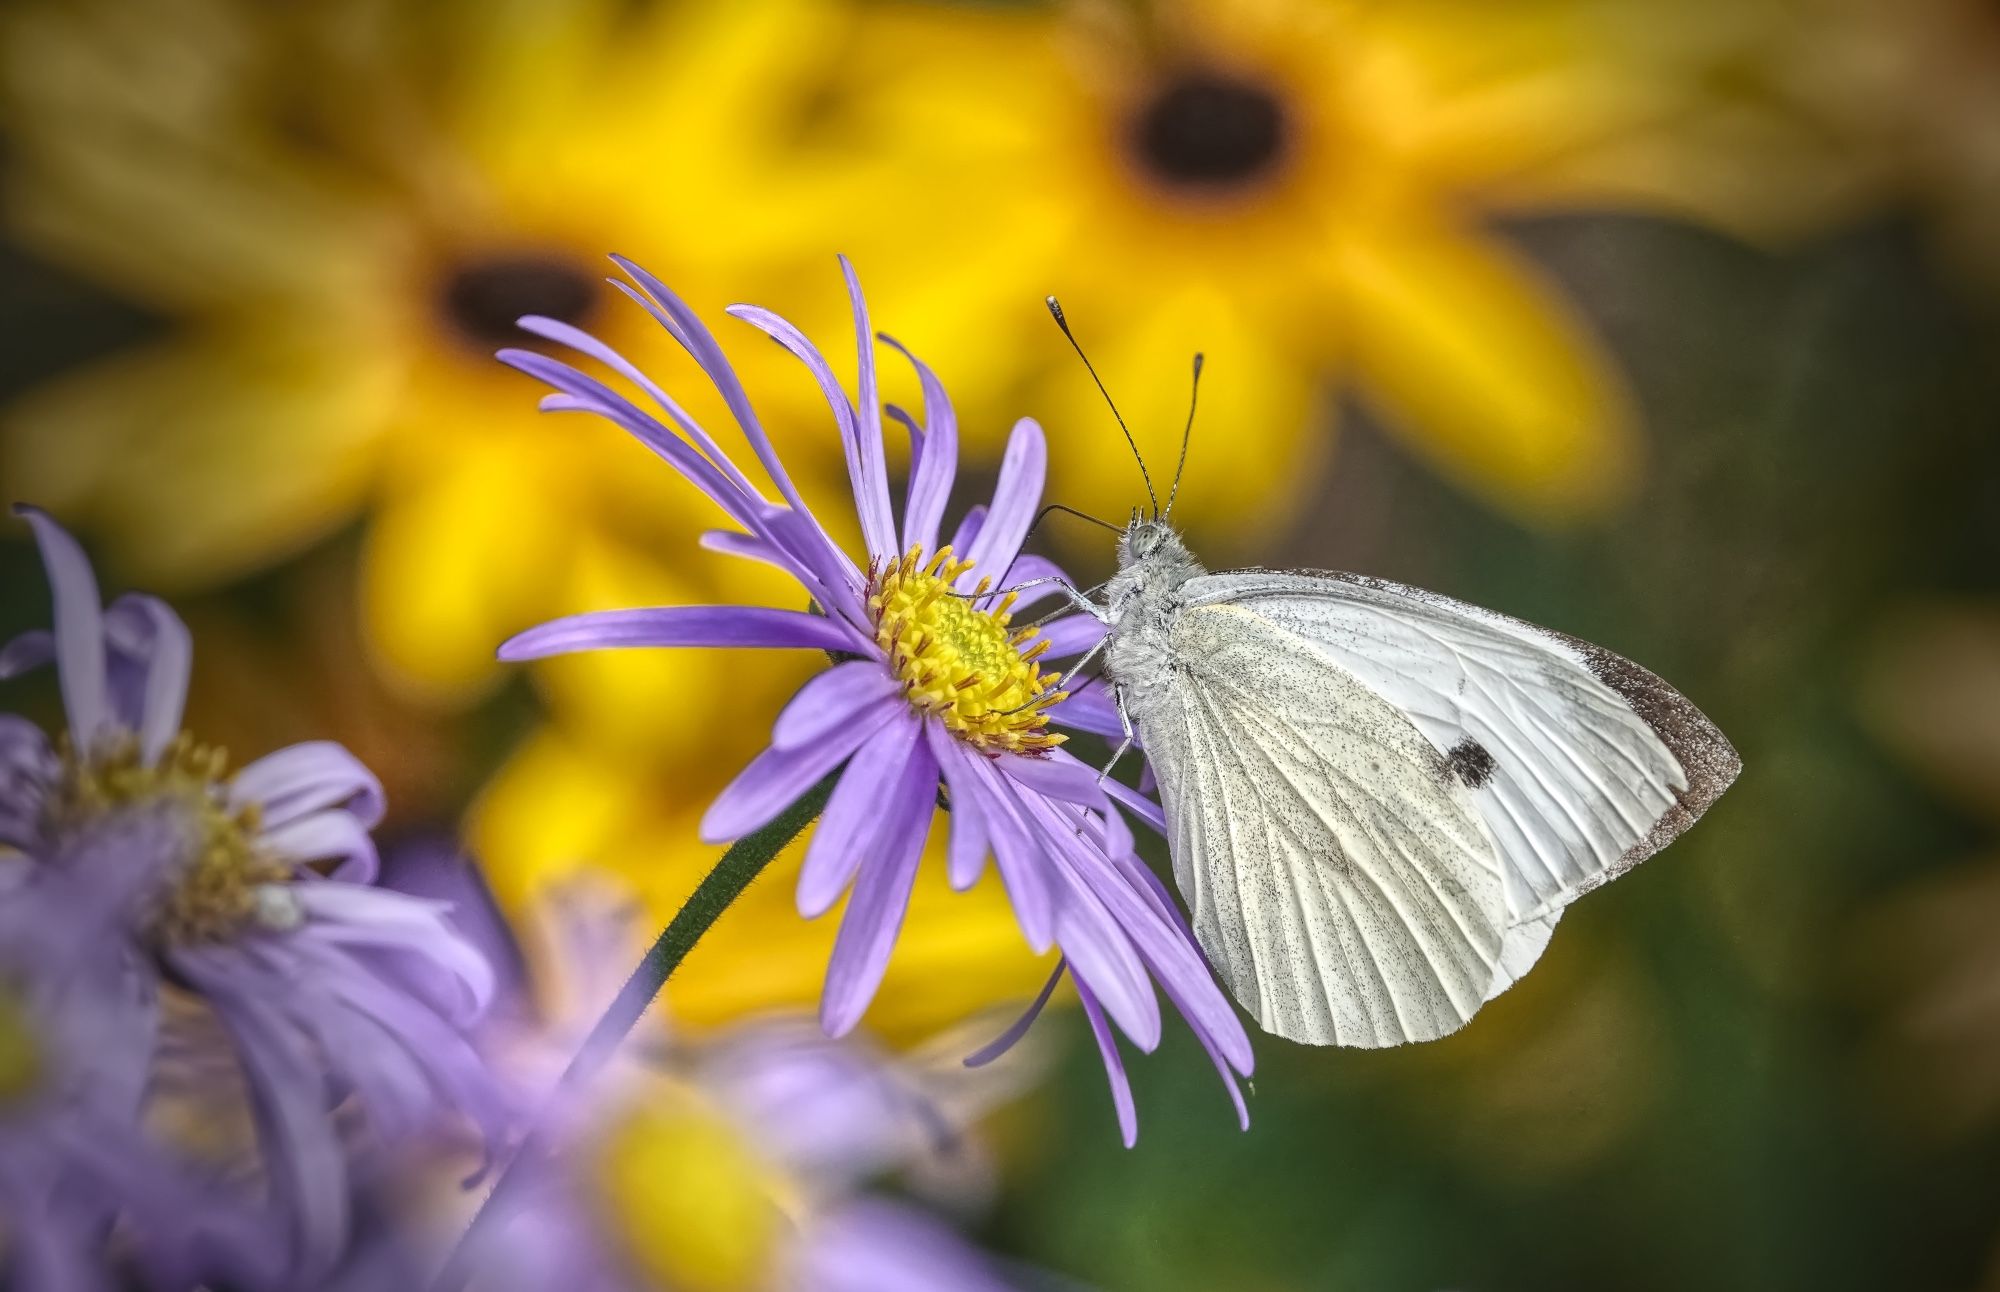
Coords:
218,886
958,663
696,1207
20,1057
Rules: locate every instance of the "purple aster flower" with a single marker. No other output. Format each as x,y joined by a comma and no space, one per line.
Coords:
741,1161
248,894
77,1027
934,683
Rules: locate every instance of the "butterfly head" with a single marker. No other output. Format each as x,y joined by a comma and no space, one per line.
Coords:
1153,562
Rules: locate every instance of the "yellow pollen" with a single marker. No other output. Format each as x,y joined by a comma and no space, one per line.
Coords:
20,1056
958,663
212,892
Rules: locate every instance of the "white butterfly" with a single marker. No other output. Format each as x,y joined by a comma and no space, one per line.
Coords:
1379,800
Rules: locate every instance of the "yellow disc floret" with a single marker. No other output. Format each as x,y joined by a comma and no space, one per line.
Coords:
213,891
961,663
20,1056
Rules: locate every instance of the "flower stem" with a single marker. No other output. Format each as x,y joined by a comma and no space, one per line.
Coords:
740,865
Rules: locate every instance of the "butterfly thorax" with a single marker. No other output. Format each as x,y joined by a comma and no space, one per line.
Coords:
1142,600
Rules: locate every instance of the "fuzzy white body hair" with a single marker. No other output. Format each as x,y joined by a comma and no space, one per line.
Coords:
1141,601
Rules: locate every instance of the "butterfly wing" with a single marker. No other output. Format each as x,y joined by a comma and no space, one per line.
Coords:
1581,764
1338,875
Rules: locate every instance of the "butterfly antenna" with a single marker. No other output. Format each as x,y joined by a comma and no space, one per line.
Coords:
1194,394
1043,514
1056,310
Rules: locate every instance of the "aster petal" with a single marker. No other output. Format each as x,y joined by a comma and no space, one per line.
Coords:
1089,708
26,652
1136,802
680,626
853,819
968,529
334,835
288,1097
305,778
1114,1065
881,897
578,339
694,336
1022,869
776,778
1073,634
830,699
876,524
146,629
872,497
1015,498
79,628
967,844
1029,568
356,916
1101,953
1008,1039
933,472
878,1246
585,393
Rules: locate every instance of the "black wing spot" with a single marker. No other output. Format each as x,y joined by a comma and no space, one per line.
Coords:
1470,762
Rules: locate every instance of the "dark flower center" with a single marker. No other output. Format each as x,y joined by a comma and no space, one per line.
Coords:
1210,129
480,299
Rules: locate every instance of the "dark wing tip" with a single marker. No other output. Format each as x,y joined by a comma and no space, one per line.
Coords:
1709,761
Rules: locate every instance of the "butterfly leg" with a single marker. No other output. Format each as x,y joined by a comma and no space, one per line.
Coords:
1125,721
1079,600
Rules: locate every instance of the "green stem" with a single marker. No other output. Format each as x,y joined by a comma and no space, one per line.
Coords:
740,865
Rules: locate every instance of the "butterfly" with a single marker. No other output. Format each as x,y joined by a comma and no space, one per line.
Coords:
1379,801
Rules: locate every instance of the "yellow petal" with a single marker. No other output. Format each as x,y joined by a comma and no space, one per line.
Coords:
1477,362
203,458
455,563
1260,437
558,808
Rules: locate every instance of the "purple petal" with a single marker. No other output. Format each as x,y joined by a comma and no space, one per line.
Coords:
146,629
881,897
355,915
578,339
830,699
289,1097
968,529
687,328
873,1245
1073,634
28,651
853,819
333,835
1114,1066
872,495
588,394
79,628
1101,953
1089,708
776,778
874,525
1008,1039
1015,498
966,848
308,777
1136,803
1022,868
680,626
932,474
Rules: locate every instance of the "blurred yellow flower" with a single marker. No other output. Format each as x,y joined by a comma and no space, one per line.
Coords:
563,808
343,208
1294,187
1929,956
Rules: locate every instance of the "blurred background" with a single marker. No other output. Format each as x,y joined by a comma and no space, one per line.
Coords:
1669,325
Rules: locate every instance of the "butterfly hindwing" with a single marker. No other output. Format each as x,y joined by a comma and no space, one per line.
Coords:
1338,871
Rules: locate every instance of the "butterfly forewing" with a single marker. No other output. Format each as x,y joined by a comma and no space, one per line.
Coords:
1340,875
1581,764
